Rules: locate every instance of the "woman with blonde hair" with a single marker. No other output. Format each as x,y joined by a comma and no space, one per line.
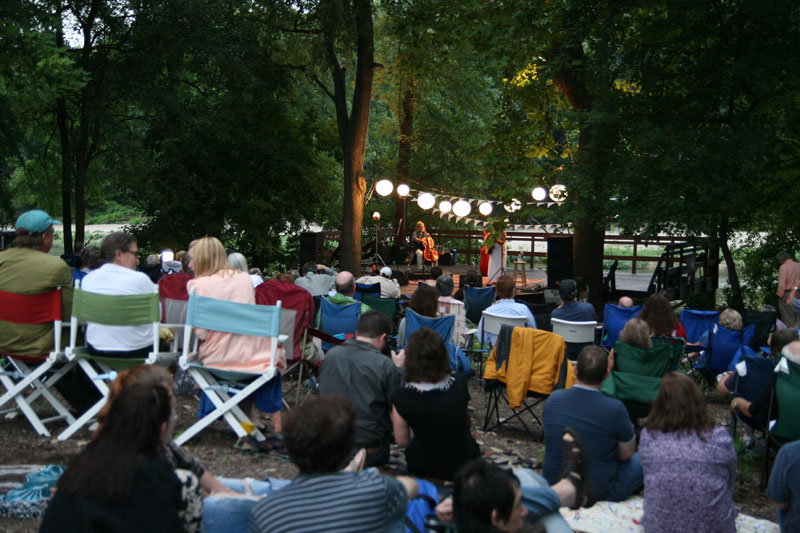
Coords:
636,333
216,278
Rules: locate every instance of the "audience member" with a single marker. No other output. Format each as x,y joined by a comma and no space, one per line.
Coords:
571,309
345,285
660,316
118,277
788,283
389,286
319,437
450,306
239,263
227,502
636,332
424,302
472,278
784,487
215,278
185,260
433,405
689,465
625,301
122,480
602,423
90,259
316,282
506,306
360,370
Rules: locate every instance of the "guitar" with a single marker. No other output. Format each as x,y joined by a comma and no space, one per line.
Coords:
430,253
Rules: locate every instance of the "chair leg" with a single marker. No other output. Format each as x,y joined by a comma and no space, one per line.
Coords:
90,414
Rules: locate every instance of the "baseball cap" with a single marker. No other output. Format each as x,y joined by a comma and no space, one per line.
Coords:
386,272
568,288
35,221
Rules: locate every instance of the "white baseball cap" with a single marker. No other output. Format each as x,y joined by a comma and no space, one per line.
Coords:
386,272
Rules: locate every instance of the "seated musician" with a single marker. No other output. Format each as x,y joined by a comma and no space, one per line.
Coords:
421,241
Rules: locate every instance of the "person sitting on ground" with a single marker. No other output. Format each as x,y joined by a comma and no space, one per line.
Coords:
625,301
360,370
319,437
571,309
215,278
506,306
316,279
689,464
602,423
389,286
784,487
473,279
118,277
226,502
660,316
432,405
122,481
487,497
424,302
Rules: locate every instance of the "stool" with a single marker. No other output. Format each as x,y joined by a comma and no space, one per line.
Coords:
519,269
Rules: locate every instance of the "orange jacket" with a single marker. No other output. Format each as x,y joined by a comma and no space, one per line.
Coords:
534,364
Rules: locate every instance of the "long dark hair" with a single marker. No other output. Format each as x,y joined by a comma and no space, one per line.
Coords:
426,357
659,315
425,300
106,468
679,407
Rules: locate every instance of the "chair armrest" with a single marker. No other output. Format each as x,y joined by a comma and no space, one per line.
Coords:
321,335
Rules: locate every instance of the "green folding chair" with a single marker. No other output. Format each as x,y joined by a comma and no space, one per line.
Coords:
128,310
387,306
637,373
787,426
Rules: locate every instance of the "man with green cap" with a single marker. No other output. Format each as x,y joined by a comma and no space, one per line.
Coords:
27,268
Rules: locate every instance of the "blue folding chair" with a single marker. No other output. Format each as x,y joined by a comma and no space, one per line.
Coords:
442,325
338,320
476,300
724,349
753,375
373,289
614,319
226,389
697,322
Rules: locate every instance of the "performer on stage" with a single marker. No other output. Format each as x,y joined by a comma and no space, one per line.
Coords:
483,267
421,241
495,242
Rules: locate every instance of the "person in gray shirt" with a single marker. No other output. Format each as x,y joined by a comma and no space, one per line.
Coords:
365,372
316,279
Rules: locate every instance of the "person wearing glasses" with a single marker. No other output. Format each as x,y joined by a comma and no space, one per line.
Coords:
118,277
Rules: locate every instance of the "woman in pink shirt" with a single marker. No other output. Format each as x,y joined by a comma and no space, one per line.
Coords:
216,278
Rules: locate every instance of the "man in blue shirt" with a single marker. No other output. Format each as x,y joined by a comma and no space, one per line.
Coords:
506,306
570,309
784,486
615,471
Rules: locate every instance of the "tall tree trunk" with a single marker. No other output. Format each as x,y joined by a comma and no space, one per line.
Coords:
353,129
66,153
408,102
737,300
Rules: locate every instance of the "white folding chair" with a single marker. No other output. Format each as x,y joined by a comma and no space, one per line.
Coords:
576,334
226,389
18,373
492,324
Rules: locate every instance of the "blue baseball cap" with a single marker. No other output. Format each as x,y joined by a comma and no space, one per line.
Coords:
35,221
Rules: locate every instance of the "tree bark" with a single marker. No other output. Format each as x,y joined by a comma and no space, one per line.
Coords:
353,129
737,300
66,153
408,102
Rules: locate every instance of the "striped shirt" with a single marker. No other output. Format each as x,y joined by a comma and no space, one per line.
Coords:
345,502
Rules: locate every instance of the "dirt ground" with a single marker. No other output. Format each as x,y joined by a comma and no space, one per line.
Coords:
19,444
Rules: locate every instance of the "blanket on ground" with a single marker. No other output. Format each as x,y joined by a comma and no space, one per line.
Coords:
25,489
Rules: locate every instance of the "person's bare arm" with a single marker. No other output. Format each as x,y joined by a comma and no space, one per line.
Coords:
627,450
402,433
412,489
777,505
211,484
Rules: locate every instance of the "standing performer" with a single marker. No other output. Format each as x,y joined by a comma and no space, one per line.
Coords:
422,244
484,264
495,243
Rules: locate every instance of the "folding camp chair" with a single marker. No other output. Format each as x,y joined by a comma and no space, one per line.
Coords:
764,324
21,372
174,298
226,389
637,373
614,319
721,354
576,334
387,306
338,319
457,310
536,366
697,322
373,289
127,310
786,395
753,375
476,301
442,325
492,324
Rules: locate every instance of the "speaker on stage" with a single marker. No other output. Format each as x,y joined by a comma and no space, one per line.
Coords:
445,259
311,247
559,260
401,277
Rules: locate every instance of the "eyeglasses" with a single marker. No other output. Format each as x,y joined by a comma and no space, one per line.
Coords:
134,252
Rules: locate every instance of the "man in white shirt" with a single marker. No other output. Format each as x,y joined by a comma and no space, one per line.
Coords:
389,286
318,280
117,277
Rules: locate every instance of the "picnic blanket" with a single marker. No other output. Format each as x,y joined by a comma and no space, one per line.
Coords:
626,517
25,489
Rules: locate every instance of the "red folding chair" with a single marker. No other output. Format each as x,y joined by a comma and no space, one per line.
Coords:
25,376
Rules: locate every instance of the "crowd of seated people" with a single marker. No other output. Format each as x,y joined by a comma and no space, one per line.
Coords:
372,396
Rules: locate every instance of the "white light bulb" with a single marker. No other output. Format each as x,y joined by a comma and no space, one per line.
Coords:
461,208
539,193
485,209
445,206
403,189
384,187
426,200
